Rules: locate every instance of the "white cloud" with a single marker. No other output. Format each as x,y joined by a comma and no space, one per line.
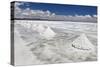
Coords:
53,14
83,16
26,11
94,15
88,16
18,4
17,9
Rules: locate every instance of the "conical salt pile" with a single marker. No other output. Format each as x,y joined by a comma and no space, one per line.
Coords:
48,33
40,28
82,43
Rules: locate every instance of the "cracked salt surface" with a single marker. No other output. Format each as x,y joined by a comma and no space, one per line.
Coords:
54,42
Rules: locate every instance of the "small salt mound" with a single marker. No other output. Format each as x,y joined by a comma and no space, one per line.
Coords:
83,43
38,27
48,33
41,28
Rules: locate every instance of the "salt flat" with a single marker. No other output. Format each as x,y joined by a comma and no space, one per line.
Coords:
48,42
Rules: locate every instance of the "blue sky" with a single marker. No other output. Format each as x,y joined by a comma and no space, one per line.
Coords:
61,9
